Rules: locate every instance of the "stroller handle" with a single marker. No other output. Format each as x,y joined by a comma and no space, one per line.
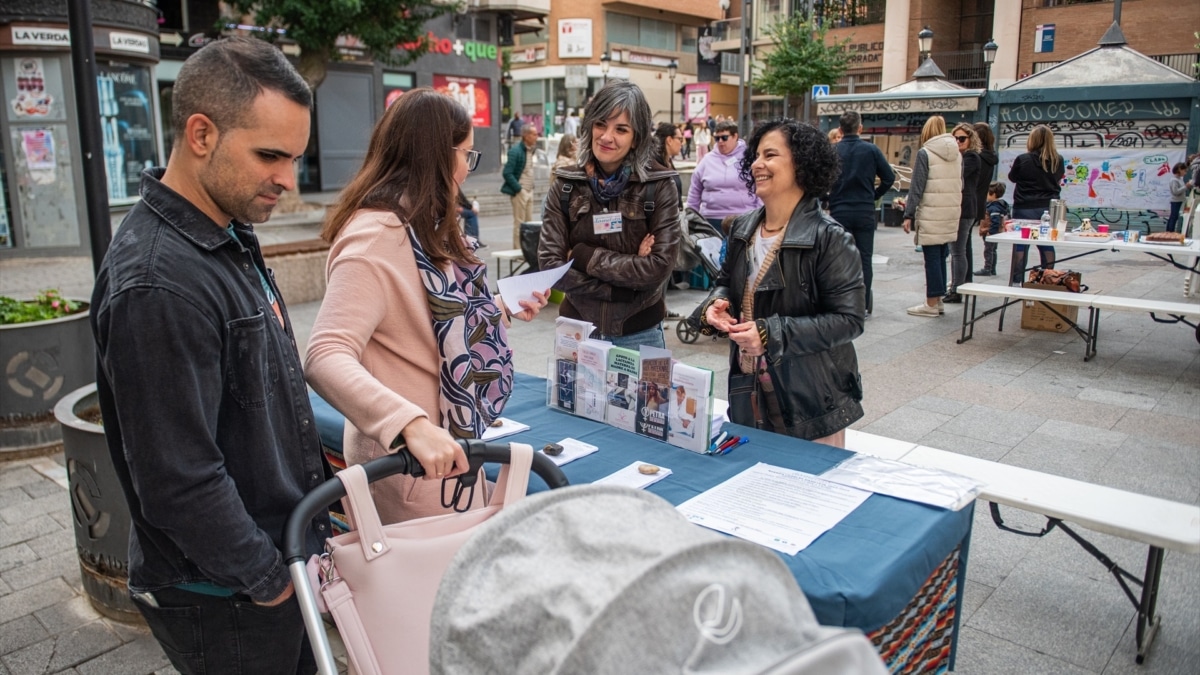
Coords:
400,462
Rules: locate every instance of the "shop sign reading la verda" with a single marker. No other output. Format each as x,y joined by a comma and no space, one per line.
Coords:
468,48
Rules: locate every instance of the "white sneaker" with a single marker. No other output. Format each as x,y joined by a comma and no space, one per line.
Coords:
924,310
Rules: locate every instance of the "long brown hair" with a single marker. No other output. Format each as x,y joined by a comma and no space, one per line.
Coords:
1041,143
412,156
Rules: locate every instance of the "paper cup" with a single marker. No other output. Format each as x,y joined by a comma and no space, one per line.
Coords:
1102,229
1024,231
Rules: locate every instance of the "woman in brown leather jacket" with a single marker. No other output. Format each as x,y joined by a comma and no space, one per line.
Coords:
615,217
790,294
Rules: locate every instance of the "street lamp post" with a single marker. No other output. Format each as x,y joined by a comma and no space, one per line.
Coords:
989,57
672,67
925,41
605,63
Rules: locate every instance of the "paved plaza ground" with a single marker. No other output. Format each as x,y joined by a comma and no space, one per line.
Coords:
1129,419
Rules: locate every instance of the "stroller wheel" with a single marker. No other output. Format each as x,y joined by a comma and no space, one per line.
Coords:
686,333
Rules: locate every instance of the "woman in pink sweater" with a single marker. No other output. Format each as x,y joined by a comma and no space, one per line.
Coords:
409,344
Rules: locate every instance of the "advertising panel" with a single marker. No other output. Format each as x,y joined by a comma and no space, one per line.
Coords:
472,93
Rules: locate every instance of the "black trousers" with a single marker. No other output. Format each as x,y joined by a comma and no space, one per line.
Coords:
862,227
207,634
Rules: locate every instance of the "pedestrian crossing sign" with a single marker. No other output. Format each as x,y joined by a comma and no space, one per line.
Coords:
820,90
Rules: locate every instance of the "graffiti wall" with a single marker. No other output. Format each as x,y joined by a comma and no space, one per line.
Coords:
1118,166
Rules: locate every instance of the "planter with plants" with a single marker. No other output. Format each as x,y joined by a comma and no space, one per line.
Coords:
46,350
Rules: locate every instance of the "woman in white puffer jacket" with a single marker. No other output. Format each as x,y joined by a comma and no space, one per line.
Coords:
934,204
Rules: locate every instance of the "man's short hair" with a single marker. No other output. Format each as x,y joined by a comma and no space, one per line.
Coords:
222,80
528,127
849,122
727,125
996,188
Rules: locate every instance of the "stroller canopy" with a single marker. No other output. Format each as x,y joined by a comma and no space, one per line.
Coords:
600,579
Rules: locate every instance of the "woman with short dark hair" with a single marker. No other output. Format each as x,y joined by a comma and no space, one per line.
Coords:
790,293
615,217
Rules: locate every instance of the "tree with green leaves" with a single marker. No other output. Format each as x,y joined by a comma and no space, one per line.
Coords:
315,25
801,58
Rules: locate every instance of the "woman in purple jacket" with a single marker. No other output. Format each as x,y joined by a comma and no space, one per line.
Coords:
716,189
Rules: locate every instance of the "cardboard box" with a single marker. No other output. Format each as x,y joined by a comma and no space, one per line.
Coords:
1036,316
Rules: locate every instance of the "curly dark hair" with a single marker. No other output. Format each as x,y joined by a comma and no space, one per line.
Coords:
816,161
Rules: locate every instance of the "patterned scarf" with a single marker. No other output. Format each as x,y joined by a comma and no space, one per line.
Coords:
607,188
476,372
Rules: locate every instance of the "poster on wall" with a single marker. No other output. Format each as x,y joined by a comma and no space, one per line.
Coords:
127,124
472,93
32,99
574,38
708,60
697,103
1112,178
38,146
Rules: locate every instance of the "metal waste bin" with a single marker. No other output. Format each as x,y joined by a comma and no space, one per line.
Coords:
98,508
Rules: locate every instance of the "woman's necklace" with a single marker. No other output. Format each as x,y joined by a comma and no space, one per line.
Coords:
768,230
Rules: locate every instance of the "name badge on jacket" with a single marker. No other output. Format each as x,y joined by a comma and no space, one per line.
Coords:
606,223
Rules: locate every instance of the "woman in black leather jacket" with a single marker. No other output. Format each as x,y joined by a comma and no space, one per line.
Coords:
793,369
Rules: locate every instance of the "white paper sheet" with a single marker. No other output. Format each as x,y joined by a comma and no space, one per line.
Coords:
905,481
507,428
573,449
631,477
778,508
720,415
521,287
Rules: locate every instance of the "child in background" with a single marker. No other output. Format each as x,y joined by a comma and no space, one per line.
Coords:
1178,192
469,211
997,211
726,226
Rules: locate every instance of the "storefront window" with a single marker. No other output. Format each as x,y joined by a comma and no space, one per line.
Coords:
127,125
395,84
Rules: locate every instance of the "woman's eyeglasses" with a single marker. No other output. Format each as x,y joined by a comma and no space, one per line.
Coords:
473,157
723,137
962,139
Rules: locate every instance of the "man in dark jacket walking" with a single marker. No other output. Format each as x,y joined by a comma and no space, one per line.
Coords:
852,200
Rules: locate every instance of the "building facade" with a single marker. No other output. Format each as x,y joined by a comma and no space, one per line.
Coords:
559,67
41,176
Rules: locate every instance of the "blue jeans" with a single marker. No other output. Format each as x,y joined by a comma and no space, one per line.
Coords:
935,269
207,634
651,337
470,222
1020,251
1174,217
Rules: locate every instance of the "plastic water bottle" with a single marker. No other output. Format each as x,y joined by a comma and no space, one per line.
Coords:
1044,228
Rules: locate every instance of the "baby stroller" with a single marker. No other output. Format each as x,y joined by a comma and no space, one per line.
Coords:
700,246
610,580
367,618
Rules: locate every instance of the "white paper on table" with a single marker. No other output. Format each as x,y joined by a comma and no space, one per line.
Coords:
631,477
521,287
720,415
905,481
776,507
573,449
507,428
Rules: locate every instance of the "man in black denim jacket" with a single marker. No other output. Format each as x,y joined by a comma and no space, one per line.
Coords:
205,408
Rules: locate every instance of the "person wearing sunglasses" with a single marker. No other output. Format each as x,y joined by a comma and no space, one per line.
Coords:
407,301
716,190
960,262
615,217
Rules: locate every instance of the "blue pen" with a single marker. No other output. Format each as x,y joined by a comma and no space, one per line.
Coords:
717,443
741,441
